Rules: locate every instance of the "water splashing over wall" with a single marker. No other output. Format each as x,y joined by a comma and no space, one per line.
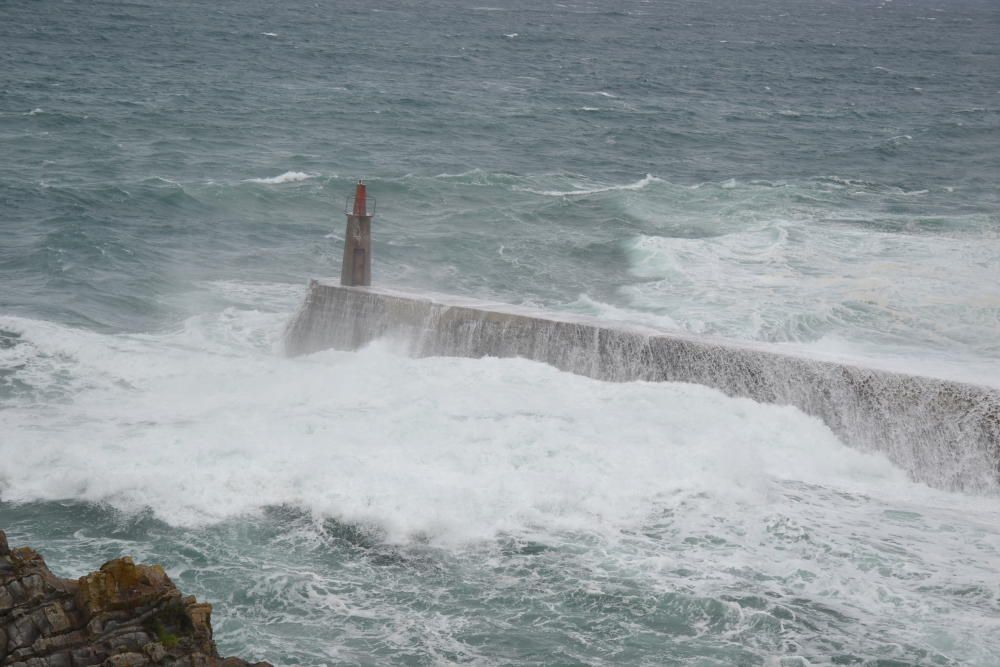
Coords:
943,433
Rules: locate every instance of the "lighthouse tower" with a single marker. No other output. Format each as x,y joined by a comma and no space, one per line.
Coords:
357,267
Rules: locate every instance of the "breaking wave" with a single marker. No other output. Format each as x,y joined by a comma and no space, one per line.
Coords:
287,177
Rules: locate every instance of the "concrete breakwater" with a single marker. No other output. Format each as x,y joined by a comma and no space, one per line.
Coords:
944,433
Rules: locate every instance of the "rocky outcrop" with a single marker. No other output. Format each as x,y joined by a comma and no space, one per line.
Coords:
123,615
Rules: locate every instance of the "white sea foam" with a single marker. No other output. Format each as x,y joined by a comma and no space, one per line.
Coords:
287,177
900,358
475,176
606,311
641,184
677,489
797,282
208,423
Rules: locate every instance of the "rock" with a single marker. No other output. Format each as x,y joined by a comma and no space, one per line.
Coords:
57,620
21,632
126,660
123,615
155,651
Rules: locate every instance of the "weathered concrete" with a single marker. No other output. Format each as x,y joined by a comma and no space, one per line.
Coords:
944,433
123,615
356,269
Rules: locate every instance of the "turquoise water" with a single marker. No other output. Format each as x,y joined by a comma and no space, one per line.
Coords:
819,177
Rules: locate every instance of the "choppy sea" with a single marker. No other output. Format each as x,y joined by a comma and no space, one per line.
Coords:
820,177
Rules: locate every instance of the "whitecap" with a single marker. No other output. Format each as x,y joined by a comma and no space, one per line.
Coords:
206,424
642,183
287,177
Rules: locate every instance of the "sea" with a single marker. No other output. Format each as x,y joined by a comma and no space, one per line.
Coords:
818,177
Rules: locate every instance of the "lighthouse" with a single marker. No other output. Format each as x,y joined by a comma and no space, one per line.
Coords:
357,267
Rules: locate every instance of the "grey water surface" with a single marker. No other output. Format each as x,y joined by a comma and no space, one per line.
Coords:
814,176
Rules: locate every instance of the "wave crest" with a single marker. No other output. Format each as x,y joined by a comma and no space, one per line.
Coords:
287,177
641,184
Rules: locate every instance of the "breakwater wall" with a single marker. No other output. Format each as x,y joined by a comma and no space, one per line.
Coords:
944,433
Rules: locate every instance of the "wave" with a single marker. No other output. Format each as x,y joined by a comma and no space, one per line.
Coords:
206,423
783,280
641,184
605,311
287,177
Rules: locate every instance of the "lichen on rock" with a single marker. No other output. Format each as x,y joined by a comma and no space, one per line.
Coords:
123,615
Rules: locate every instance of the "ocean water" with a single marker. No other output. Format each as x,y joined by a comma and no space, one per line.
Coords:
820,177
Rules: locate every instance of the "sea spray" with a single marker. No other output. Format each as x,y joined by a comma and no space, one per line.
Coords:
462,449
944,433
146,279
359,496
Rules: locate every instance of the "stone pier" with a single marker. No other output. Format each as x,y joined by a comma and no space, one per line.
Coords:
944,433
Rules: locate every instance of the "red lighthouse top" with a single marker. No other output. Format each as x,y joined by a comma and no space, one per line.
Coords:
360,198
360,205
